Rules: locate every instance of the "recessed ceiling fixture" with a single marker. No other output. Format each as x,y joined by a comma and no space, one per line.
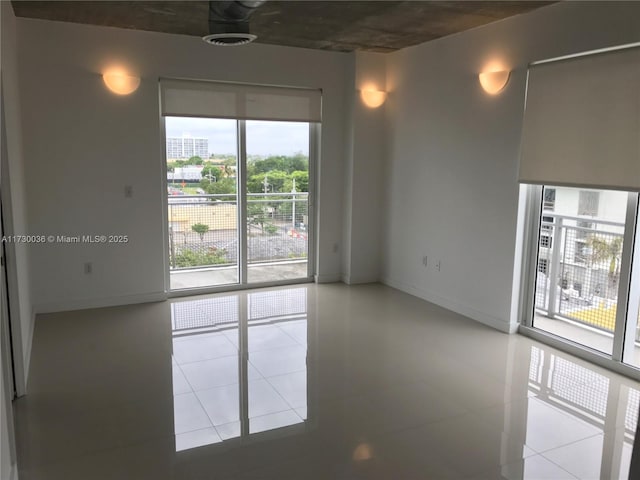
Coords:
229,22
229,39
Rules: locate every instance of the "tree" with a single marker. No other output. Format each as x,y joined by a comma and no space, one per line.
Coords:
256,215
210,173
228,170
200,229
288,164
194,258
195,160
606,251
276,182
302,181
603,251
221,187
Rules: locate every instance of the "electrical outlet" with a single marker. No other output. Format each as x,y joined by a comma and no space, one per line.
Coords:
438,265
88,268
424,261
128,191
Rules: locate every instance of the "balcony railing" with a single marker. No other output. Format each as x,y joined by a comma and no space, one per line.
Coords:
579,269
203,229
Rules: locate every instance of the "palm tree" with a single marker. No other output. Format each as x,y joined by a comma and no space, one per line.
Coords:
602,251
227,171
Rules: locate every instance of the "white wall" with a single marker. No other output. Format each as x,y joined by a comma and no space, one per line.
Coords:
364,188
13,214
453,152
14,199
75,125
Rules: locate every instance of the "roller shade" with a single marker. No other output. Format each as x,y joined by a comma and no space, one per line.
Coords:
239,101
582,122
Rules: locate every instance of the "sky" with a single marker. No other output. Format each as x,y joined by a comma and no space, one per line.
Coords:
263,138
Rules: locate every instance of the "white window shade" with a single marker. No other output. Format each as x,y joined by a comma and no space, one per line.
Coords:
582,122
239,101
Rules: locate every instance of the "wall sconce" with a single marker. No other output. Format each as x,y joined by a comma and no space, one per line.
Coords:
121,83
362,452
373,98
494,82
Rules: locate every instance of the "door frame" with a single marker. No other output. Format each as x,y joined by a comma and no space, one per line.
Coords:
12,370
314,154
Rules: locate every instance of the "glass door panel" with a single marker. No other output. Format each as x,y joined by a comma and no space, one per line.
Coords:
631,352
580,246
202,162
277,200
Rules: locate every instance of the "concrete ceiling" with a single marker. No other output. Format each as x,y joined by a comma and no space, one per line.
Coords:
343,26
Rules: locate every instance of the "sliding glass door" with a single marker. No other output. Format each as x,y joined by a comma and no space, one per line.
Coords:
277,201
585,269
202,200
238,201
580,168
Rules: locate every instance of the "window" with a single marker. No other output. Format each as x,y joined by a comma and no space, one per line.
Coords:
588,202
241,182
579,163
542,265
549,199
586,288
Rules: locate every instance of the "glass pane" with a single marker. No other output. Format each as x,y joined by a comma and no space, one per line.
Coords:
203,213
277,200
578,271
631,354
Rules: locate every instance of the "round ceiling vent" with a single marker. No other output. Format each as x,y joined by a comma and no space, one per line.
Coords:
229,39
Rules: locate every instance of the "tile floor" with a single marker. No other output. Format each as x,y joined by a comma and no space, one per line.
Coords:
312,382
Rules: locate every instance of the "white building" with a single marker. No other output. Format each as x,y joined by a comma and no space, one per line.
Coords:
191,173
187,147
572,220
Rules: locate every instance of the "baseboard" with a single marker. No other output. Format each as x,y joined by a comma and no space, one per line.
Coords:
83,304
359,280
328,278
465,310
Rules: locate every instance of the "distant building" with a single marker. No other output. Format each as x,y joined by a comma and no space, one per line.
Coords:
186,147
191,173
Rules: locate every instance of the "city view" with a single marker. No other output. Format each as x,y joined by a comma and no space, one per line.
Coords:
203,202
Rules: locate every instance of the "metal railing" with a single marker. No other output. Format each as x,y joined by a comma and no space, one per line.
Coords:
203,229
579,269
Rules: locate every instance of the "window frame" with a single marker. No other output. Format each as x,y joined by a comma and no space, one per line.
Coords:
629,272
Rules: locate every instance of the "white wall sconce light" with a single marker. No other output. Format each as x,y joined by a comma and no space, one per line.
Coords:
373,98
120,82
494,82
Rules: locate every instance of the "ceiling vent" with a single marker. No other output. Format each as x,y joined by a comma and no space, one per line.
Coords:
229,22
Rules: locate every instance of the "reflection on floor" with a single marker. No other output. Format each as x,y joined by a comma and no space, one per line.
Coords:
232,378
312,382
